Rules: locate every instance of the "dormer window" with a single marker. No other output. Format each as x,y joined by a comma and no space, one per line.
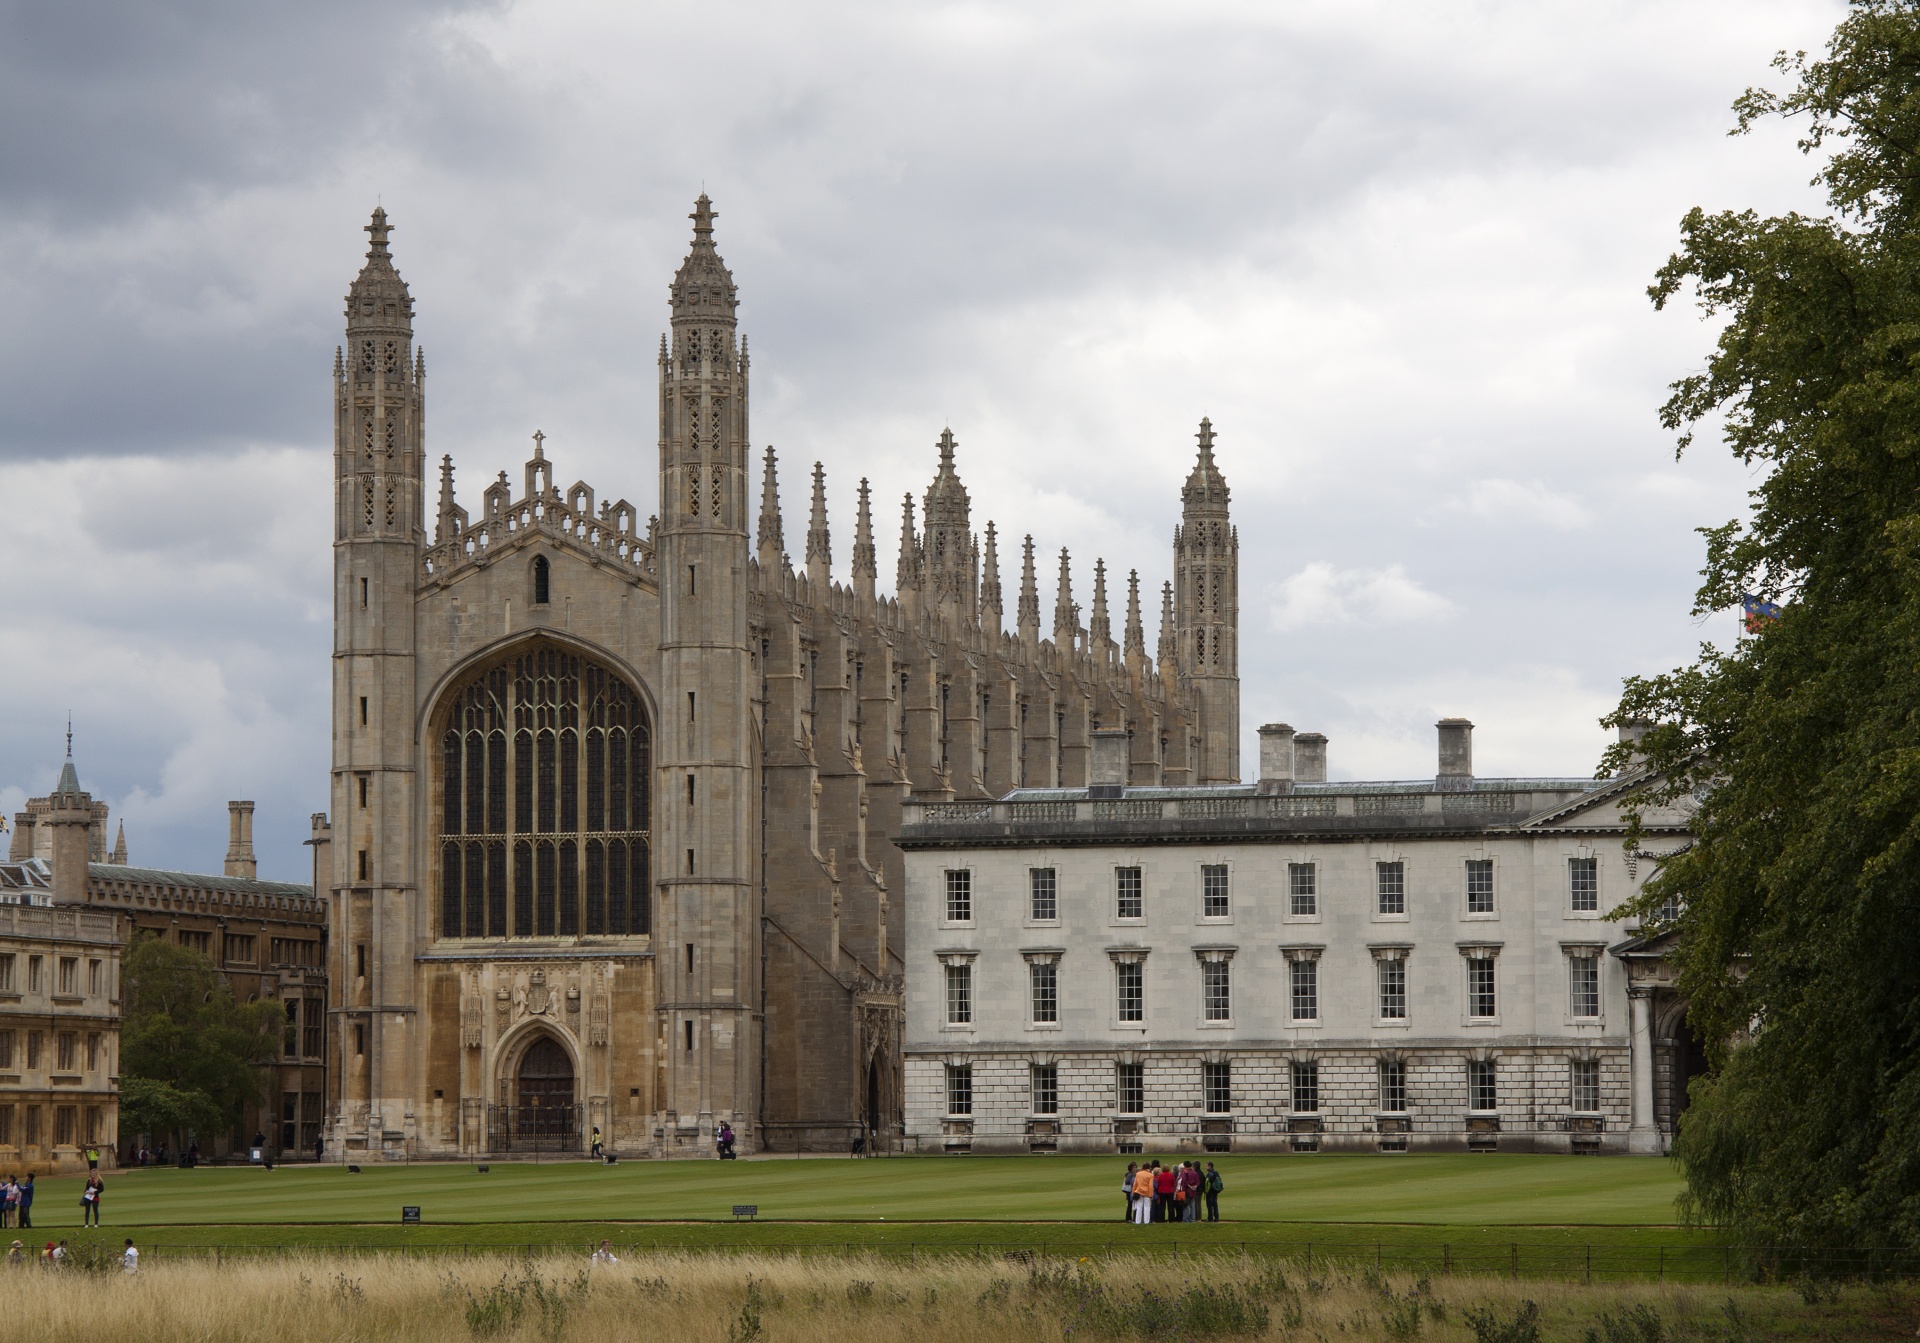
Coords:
542,588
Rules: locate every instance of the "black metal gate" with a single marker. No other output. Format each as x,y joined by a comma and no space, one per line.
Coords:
533,1128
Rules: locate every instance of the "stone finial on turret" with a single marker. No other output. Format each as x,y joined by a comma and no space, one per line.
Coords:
1099,625
907,574
773,542
119,855
1169,632
819,541
1135,649
444,529
1066,616
866,568
990,607
1028,618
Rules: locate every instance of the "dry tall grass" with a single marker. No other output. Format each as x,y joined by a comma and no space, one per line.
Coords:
785,1299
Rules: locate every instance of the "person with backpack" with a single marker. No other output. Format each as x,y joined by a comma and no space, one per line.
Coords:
1214,1185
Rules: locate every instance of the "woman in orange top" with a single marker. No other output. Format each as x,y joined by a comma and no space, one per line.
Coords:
1143,1196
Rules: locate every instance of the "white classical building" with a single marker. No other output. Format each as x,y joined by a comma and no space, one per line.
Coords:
1291,965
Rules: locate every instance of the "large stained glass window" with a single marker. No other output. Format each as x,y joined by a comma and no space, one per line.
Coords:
544,802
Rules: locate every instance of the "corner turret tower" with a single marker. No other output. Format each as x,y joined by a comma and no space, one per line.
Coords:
378,467
708,929
1206,604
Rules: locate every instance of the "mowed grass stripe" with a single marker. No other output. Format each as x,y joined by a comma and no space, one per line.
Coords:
1443,1189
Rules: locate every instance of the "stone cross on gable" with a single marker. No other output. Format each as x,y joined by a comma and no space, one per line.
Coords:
539,439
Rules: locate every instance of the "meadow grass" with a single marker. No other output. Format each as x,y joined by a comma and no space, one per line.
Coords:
949,1299
1433,1190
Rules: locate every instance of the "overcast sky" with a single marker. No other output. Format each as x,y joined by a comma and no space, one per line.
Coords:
1397,251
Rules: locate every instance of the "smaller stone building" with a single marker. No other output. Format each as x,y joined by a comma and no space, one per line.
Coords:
59,1025
1292,965
267,937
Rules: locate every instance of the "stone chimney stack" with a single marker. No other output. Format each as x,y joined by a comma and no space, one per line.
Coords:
240,861
1109,777
1310,758
1276,759
1456,756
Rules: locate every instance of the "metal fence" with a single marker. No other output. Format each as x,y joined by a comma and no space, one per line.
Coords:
1513,1259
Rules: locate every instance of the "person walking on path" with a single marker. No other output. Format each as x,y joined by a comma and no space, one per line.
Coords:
1143,1196
1126,1188
26,1201
594,1145
130,1258
1214,1185
90,1201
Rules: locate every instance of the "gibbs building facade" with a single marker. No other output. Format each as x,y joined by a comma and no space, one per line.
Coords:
615,785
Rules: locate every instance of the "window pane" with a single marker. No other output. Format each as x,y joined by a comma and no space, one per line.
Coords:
1128,901
1393,1085
959,896
596,888
1132,991
959,1089
1583,876
1302,892
1046,991
1306,1087
1045,904
1483,1089
1480,999
1217,1082
450,890
1215,903
569,888
1391,883
1586,1086
1393,990
1305,977
959,995
1046,1089
1217,990
1131,1083
476,900
1586,985
1480,886
450,776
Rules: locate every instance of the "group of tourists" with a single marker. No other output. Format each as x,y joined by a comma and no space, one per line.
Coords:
55,1256
1157,1193
16,1201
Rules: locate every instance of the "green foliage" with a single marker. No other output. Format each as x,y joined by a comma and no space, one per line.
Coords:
189,1053
1799,901
747,1326
500,1308
1638,1323
1087,1305
1489,1326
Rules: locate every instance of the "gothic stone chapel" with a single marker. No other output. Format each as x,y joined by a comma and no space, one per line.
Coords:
613,800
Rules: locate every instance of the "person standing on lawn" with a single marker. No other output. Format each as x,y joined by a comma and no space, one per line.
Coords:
90,1200
1214,1185
1126,1188
1190,1183
1143,1196
26,1200
1163,1187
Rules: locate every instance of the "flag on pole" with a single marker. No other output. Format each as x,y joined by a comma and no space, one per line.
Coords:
1758,612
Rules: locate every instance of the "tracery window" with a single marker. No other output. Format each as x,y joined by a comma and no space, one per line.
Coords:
545,802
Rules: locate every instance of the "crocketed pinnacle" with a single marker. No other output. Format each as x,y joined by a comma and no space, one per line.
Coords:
1206,489
703,289
1136,643
990,583
1029,614
773,542
1169,634
443,529
119,855
1066,621
907,574
1099,627
819,543
378,297
865,565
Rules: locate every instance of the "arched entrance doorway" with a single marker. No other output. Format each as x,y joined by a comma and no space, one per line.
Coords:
541,1114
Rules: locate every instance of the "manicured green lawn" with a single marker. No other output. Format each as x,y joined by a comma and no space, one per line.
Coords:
1440,1190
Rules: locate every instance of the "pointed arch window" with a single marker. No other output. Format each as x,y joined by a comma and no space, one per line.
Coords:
542,581
547,729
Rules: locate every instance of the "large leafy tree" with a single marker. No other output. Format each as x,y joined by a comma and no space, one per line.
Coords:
1798,940
189,1053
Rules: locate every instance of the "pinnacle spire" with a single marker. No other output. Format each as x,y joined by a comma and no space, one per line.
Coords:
907,575
1136,642
444,528
1029,615
703,290
773,542
1099,627
377,230
1066,621
1169,638
819,542
1206,489
119,856
990,584
865,567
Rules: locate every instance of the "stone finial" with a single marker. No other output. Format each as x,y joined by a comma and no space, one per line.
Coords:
990,584
1169,631
819,541
907,574
1136,638
119,856
866,568
703,216
1028,618
1206,489
1099,626
377,230
444,529
773,543
1066,616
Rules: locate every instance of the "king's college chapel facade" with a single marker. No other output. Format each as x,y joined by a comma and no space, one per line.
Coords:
614,795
